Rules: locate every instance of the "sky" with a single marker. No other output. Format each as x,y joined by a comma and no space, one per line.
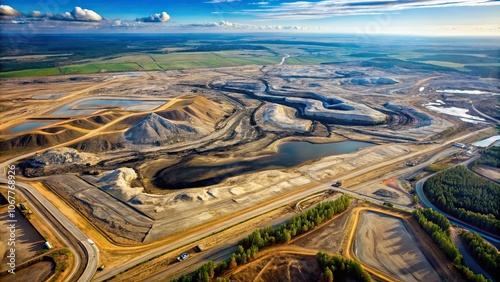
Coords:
370,17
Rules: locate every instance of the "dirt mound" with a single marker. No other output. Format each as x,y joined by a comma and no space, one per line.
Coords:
154,128
62,156
195,108
386,193
369,81
117,183
101,143
39,139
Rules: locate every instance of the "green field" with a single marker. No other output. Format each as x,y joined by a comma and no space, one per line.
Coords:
146,62
31,72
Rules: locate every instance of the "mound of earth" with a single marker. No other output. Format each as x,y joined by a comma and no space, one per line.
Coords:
275,114
154,128
118,183
61,157
39,139
369,81
386,193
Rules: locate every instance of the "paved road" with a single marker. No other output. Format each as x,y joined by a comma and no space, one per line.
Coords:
92,254
56,228
485,115
493,239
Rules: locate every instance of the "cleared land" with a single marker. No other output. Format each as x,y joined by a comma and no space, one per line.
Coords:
280,267
39,271
28,240
385,243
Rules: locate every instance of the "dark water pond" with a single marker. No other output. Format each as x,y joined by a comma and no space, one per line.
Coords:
289,154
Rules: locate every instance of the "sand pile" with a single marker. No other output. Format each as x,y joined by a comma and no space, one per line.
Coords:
154,128
117,183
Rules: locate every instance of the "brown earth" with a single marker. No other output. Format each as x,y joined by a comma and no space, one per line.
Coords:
280,267
37,272
385,243
492,173
27,240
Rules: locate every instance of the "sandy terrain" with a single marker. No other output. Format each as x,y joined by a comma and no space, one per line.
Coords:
280,267
36,272
492,173
28,240
385,243
328,237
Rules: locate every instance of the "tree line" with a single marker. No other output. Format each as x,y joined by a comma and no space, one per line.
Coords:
467,196
484,253
268,236
437,226
341,269
489,157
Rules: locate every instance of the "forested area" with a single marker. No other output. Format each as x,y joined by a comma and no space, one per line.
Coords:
250,246
467,196
437,226
339,268
484,253
490,157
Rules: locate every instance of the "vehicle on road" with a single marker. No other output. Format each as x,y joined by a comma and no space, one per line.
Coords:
337,184
182,257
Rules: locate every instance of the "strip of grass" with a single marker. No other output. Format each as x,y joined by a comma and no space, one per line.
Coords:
31,72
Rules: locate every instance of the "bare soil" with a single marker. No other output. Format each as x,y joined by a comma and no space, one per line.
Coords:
27,241
281,267
37,272
492,173
385,243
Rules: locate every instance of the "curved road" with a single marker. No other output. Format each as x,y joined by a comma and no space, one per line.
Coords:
493,239
92,253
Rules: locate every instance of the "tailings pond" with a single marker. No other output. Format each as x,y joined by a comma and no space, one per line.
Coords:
289,154
30,125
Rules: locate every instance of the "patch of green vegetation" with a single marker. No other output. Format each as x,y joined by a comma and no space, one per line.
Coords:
100,67
80,69
150,66
341,268
458,59
462,194
210,60
445,64
250,246
438,227
387,63
433,168
31,72
312,60
483,252
489,157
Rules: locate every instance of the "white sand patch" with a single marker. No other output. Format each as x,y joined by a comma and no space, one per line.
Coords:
454,111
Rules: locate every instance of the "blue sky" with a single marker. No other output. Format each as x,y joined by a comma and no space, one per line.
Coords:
430,17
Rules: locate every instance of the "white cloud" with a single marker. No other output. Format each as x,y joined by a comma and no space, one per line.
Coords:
6,10
221,1
330,8
259,3
156,18
35,14
237,26
78,14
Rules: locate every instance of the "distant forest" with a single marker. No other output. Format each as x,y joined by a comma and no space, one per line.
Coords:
462,194
490,157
